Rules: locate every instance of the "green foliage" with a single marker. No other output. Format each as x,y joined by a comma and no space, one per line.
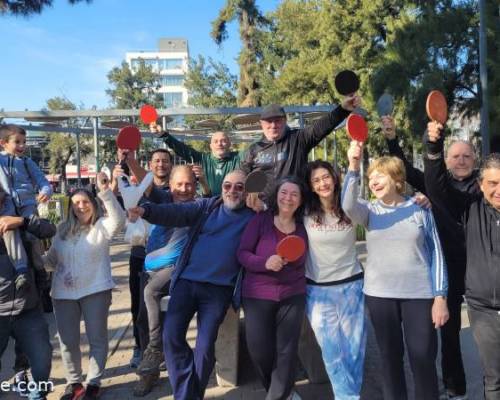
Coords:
406,48
134,88
62,146
28,7
250,20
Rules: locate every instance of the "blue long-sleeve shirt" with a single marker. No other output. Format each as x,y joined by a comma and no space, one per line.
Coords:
21,178
405,259
210,253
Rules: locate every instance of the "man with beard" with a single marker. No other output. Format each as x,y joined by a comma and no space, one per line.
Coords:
203,281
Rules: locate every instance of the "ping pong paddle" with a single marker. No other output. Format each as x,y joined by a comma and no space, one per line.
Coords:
357,128
437,107
148,114
385,105
291,248
346,82
256,182
129,138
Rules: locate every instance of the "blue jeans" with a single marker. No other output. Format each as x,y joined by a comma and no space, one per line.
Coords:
189,371
30,330
337,317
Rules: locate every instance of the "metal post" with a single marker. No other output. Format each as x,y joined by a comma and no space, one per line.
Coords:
325,150
484,79
78,163
164,122
96,143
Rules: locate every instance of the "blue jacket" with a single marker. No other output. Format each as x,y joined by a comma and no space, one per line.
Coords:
22,179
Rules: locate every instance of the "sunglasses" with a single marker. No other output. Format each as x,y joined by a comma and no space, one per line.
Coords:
238,187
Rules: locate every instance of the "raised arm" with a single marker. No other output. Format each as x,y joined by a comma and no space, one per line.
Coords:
316,132
181,149
115,218
355,208
414,176
437,179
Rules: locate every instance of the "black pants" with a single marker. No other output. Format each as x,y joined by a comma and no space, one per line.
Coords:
136,266
452,364
393,320
485,324
272,331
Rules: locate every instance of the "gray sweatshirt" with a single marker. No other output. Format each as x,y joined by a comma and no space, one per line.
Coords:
405,259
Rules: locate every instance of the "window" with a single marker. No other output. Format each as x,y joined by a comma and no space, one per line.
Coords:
172,80
174,63
172,99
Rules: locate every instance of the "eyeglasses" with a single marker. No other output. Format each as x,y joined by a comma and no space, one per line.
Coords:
238,186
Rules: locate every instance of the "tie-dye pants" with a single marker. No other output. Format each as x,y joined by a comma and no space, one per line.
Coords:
337,317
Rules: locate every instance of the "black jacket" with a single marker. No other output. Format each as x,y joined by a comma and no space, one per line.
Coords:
449,227
481,223
288,155
11,301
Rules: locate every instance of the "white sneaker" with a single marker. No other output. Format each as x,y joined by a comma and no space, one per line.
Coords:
459,397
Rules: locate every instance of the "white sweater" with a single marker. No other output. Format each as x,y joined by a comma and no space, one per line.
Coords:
82,263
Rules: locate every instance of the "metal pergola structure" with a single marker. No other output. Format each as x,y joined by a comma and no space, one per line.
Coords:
96,118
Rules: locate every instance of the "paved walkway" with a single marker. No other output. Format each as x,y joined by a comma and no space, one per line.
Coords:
120,379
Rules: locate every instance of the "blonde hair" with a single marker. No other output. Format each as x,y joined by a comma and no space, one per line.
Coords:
71,226
391,166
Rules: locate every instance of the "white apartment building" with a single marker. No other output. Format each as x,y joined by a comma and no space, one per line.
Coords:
172,62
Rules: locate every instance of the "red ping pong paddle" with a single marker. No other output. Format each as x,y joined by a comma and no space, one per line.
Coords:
129,138
291,248
357,128
256,182
148,114
437,107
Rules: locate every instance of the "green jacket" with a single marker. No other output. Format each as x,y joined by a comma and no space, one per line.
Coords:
215,168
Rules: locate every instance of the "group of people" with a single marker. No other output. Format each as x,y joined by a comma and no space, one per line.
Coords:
215,248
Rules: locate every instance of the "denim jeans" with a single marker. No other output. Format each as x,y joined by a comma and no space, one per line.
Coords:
31,332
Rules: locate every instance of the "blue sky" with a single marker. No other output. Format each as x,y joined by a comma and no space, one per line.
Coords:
68,50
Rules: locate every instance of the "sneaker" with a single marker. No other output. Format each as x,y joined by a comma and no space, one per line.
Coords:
136,358
73,391
145,384
150,361
91,392
21,377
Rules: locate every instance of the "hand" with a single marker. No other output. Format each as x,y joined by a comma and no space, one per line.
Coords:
198,172
422,200
255,203
351,101
275,263
434,131
439,312
134,213
118,171
43,198
354,155
125,155
155,129
388,127
102,181
8,223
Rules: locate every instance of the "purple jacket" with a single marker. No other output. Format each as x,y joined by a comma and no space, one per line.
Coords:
257,244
